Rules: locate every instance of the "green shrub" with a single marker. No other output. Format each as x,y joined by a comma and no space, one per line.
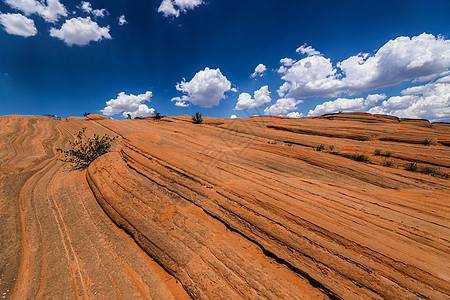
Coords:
429,170
388,164
377,152
426,141
411,167
331,148
320,147
157,115
197,118
360,157
129,117
85,150
86,114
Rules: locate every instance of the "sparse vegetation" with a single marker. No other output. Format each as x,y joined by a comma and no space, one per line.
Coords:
157,115
354,156
129,117
320,147
429,170
331,148
360,157
388,163
411,167
197,118
378,152
85,150
426,142
86,114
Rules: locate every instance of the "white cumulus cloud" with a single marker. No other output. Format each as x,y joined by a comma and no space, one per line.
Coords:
50,10
430,101
417,58
287,62
349,105
122,20
308,50
87,7
294,114
206,89
173,8
80,31
259,71
282,107
18,25
129,104
233,117
261,96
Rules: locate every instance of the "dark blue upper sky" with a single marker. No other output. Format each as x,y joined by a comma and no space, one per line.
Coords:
43,74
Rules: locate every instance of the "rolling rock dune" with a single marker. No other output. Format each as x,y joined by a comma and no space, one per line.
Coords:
228,209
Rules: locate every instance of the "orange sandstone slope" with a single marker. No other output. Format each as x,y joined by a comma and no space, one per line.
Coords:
232,208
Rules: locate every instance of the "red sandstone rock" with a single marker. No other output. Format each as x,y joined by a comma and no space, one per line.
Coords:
231,208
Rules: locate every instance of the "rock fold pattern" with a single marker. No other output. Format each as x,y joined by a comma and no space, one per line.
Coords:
254,208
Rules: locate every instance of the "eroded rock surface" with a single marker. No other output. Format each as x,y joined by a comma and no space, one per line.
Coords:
229,209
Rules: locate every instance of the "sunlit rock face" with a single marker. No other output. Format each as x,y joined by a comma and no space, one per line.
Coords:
227,209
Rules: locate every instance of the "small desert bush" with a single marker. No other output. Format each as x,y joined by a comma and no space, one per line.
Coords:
360,157
377,152
331,148
355,156
83,151
388,164
197,118
86,114
320,147
426,141
157,115
429,170
411,167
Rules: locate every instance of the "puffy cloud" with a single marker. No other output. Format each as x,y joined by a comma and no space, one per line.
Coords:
259,71
294,114
122,20
87,7
343,104
245,100
80,32
129,104
287,62
18,25
172,8
142,111
51,11
430,101
308,50
206,89
420,57
282,106
233,117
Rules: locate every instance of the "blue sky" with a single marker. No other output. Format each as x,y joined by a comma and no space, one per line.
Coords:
225,58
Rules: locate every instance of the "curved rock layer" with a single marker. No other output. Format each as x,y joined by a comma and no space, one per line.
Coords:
229,209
